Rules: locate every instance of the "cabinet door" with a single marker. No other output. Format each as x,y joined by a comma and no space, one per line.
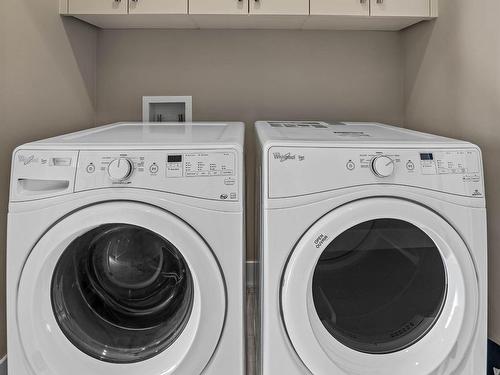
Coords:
403,8
158,6
98,7
341,7
218,6
279,7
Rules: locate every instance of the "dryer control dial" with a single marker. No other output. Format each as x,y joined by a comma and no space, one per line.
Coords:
382,166
120,169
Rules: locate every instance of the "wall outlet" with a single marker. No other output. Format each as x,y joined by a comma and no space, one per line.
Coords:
167,109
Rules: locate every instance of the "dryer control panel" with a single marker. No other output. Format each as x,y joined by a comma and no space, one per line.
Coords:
210,174
296,171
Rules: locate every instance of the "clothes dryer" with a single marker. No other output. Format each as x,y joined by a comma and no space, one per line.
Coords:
373,253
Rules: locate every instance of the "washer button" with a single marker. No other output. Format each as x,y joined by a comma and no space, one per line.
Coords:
410,166
350,165
91,168
154,168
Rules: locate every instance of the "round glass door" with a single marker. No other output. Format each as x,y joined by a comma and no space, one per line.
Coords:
379,286
121,288
121,293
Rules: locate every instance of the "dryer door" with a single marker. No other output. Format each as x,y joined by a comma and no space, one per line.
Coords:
380,286
121,288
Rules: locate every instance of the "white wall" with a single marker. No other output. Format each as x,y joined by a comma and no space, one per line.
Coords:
47,87
452,87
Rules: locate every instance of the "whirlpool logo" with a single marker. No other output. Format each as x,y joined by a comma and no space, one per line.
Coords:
26,160
288,156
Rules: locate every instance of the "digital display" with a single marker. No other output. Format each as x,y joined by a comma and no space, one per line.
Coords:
174,158
426,156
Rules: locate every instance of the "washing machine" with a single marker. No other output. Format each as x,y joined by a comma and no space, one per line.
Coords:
373,252
125,252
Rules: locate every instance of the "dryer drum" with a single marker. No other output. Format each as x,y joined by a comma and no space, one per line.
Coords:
380,286
121,293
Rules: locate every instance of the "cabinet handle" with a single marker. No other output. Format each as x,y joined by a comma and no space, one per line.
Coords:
362,1
380,1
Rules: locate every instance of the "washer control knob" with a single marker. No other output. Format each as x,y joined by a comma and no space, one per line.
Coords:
120,169
382,166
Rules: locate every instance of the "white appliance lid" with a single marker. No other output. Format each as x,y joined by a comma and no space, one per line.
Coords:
153,134
344,132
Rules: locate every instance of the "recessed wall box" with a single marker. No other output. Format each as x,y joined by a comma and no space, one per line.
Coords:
167,108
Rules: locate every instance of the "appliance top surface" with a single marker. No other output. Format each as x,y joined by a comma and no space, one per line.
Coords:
344,134
151,134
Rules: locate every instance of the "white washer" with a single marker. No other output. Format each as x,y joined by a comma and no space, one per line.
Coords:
373,251
126,252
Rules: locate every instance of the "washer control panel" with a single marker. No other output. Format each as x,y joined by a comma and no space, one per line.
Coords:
200,164
211,174
303,170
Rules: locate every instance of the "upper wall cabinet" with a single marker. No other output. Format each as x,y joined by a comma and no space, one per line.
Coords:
97,6
218,6
279,7
100,7
252,14
401,8
341,7
157,6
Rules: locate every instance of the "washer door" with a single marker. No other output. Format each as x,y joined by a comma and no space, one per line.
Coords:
380,286
121,288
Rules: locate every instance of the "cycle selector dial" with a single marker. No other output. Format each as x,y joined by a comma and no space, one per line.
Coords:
382,166
120,169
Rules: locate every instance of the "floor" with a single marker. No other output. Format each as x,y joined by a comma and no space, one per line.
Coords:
251,331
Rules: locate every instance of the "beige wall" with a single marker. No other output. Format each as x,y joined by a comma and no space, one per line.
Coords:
253,75
47,87
452,87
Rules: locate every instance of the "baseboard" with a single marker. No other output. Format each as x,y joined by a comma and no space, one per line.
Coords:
3,366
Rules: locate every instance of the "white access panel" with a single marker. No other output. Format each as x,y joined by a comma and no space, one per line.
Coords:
167,108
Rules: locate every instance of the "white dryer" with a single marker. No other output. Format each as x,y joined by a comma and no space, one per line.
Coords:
126,252
373,252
